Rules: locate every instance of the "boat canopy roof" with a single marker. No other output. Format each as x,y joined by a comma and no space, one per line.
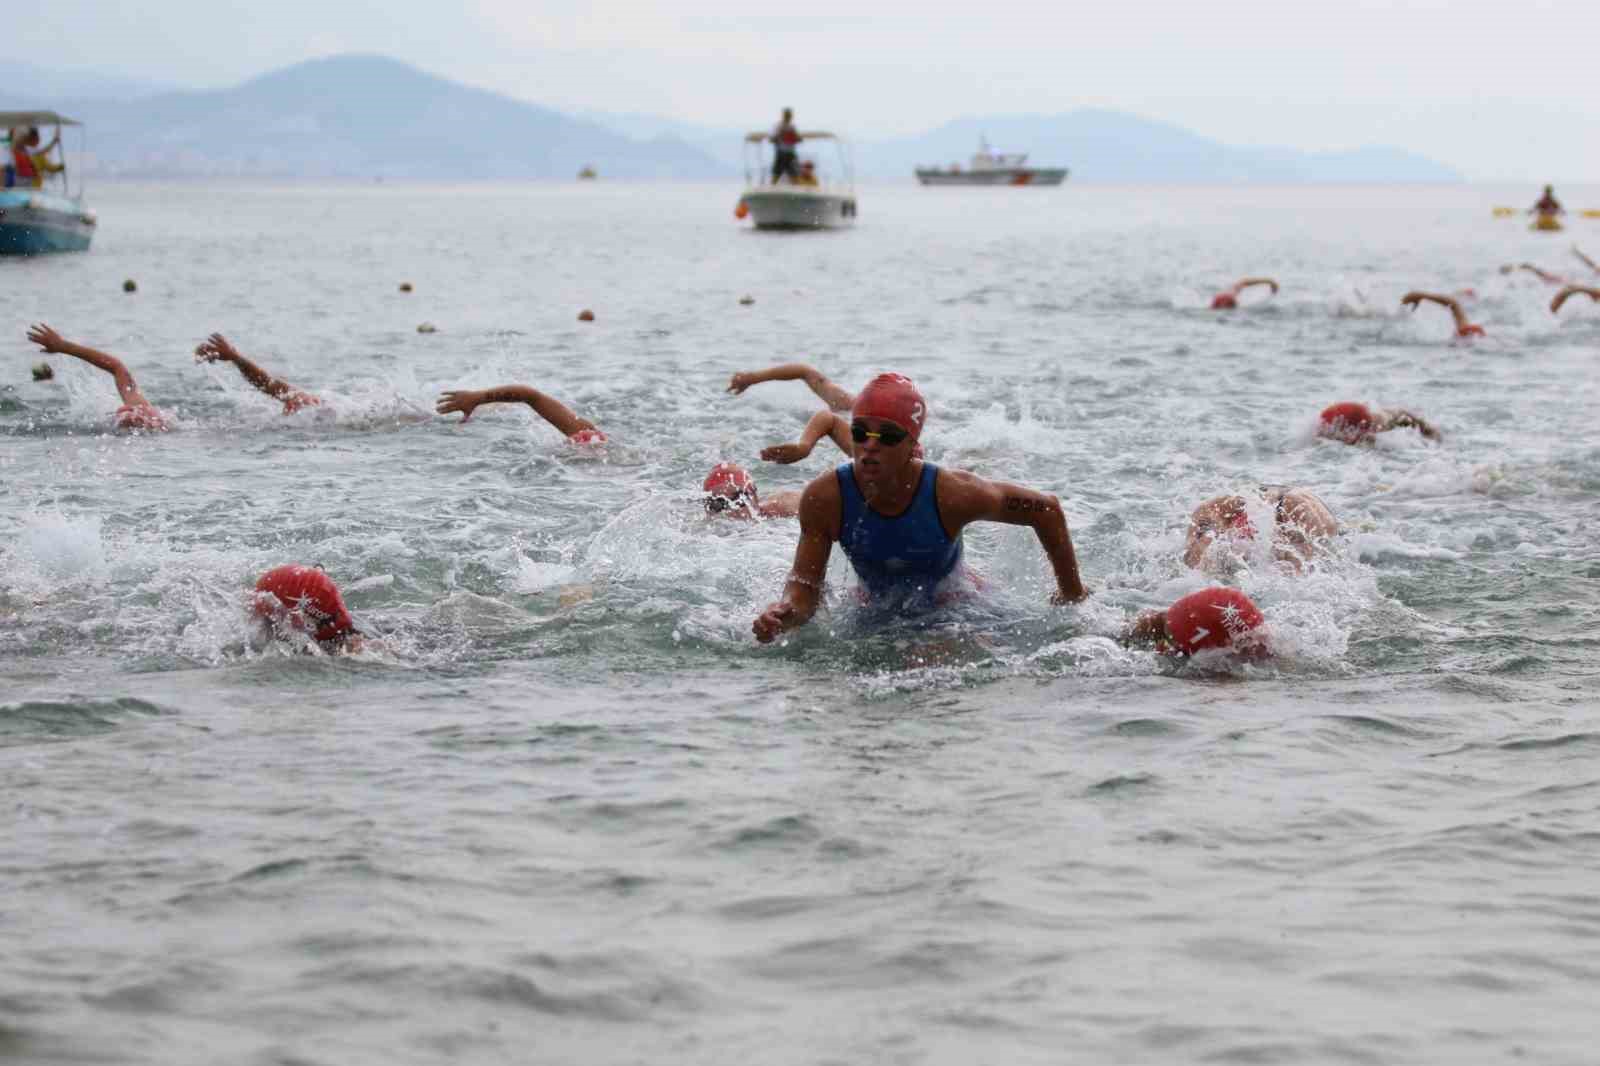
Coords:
813,135
12,119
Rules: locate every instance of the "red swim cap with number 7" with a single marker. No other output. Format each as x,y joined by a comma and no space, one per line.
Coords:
306,598
1211,618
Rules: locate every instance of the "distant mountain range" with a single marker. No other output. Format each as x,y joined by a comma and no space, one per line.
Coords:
368,116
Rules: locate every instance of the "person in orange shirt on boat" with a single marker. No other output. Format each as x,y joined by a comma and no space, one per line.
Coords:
136,412
559,415
1464,328
216,349
1228,299
785,147
1354,423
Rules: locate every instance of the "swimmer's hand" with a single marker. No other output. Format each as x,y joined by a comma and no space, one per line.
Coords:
464,400
52,342
774,620
215,348
786,453
1412,300
1060,599
741,381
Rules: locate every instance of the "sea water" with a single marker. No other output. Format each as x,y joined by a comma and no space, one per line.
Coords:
568,810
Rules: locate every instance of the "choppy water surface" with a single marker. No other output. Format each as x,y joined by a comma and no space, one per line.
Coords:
573,813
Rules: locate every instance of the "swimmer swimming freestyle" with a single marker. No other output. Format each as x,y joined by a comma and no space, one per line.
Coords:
1464,328
1570,291
730,491
1355,423
1228,299
899,519
1302,525
136,412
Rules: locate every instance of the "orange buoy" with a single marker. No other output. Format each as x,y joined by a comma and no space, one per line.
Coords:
586,316
742,210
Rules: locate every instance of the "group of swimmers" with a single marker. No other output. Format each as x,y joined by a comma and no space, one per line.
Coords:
898,518
1228,299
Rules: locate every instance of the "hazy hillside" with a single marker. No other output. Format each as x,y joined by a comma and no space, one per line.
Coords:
367,116
359,116
1106,146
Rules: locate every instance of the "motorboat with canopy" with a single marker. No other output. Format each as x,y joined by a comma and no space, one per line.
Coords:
41,209
821,194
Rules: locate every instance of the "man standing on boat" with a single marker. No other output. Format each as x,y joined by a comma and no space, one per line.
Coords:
899,519
785,142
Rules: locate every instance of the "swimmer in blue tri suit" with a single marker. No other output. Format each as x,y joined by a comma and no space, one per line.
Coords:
899,519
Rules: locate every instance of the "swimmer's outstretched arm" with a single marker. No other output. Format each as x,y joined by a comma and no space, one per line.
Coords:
1412,299
55,344
1149,628
217,349
1572,290
1403,419
819,510
835,397
544,405
1590,263
1245,283
822,424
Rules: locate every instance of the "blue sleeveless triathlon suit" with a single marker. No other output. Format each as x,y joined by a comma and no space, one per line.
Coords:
902,557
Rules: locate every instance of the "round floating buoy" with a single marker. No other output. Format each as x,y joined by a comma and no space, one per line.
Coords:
746,301
427,327
43,372
130,286
405,286
742,210
586,315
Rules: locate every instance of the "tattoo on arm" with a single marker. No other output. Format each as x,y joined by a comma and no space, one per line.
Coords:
1019,503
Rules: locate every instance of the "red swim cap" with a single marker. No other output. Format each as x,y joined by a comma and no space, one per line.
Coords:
1211,618
1224,301
1470,330
588,436
730,481
1349,422
893,398
307,598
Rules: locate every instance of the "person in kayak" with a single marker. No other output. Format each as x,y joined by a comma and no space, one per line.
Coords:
136,412
575,429
1547,206
1228,299
1354,423
899,519
216,349
1464,328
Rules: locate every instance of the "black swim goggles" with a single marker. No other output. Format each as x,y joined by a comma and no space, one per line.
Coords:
716,504
888,436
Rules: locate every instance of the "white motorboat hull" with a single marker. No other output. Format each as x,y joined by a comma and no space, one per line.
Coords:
800,208
1025,176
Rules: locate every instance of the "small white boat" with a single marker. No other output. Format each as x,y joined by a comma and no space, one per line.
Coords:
820,195
993,168
49,216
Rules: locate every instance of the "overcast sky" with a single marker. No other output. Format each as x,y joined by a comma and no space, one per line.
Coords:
1499,91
